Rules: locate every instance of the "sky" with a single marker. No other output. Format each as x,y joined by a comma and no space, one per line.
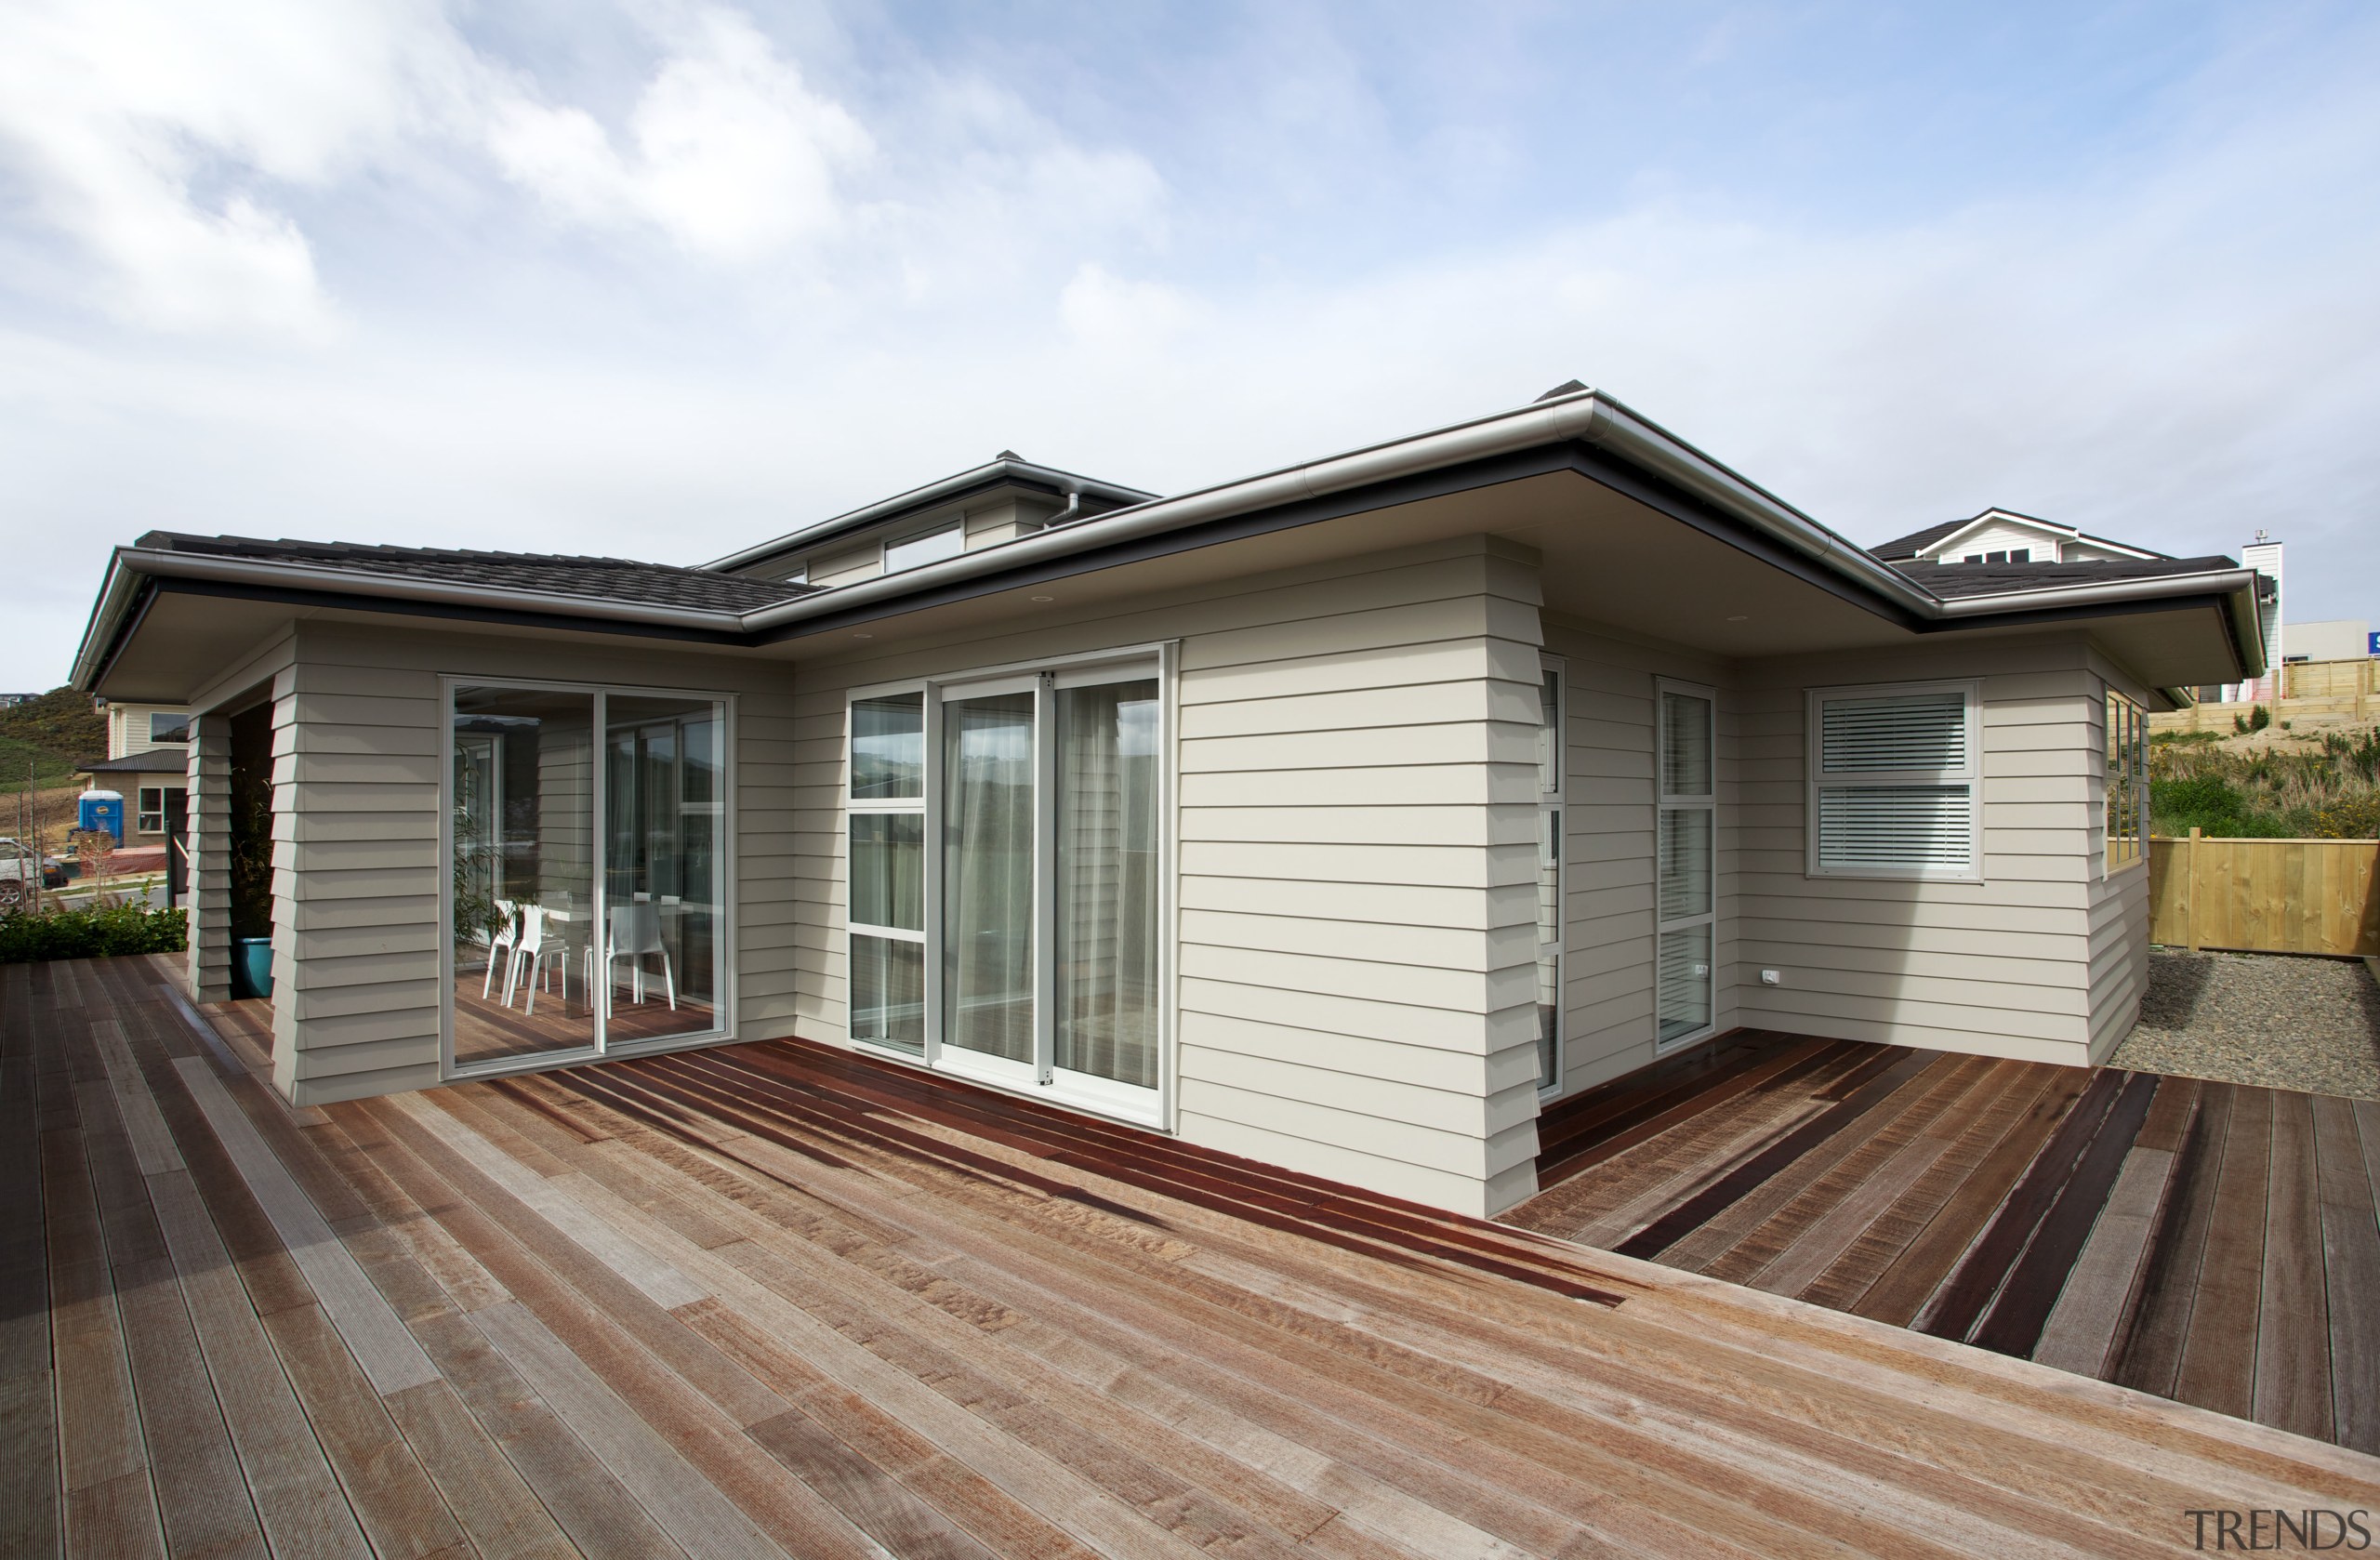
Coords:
660,280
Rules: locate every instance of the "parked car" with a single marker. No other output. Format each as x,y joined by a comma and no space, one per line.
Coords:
19,868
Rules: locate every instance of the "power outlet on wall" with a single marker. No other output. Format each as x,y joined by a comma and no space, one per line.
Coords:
1772,977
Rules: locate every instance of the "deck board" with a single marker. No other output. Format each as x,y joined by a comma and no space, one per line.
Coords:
775,1298
2210,1243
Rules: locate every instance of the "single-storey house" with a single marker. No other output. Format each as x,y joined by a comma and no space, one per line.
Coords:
1339,816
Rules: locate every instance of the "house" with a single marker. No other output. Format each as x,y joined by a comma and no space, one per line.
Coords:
1339,816
148,760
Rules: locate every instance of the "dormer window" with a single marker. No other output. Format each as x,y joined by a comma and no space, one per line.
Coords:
2020,555
1972,558
946,540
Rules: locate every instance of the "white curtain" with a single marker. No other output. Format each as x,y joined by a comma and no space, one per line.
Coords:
1107,881
987,875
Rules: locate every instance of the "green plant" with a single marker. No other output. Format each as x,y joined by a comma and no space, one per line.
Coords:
2259,718
107,933
251,853
2266,792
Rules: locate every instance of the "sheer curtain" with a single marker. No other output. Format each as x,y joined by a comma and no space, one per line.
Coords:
1106,882
987,875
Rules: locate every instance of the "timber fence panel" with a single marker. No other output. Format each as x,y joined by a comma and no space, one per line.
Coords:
2318,896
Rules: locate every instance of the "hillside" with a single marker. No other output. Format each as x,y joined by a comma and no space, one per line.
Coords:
53,732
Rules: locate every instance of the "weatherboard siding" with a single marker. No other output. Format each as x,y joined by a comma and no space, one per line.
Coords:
1999,968
1609,806
2119,898
359,732
1354,827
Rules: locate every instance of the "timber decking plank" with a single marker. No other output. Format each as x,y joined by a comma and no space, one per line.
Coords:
372,1332
1795,1244
2088,1321
2292,1389
1964,1297
2351,1275
1995,1105
2218,1364
671,1413
1583,1148
29,1497
2013,1324
1870,1084
2152,1355
400,1507
497,1510
1569,1126
99,1426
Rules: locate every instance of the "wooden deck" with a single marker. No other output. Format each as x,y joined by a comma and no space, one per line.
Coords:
2207,1242
772,1298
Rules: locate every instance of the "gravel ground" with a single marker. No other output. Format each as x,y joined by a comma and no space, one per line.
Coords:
2311,1025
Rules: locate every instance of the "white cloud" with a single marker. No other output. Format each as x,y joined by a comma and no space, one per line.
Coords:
155,138
732,156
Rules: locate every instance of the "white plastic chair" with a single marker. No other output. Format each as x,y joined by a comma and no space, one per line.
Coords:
534,955
635,935
502,941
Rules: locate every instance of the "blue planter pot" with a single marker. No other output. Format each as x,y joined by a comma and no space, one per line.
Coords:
251,966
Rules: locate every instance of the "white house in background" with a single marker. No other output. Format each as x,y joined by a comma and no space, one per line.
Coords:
148,762
1338,816
2344,639
2004,536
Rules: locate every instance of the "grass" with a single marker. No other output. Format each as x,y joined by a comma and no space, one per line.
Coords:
50,769
2328,791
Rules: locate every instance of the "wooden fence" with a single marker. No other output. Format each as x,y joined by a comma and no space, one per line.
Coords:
2266,895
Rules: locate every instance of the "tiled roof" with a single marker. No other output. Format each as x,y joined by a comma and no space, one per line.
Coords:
157,760
1991,579
606,579
1915,542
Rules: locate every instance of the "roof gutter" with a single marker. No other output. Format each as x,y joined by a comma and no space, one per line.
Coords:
130,564
1075,487
1584,416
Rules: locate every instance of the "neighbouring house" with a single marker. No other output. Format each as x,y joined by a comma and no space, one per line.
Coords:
148,762
1339,816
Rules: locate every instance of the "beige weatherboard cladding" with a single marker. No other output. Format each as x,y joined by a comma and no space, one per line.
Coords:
1355,823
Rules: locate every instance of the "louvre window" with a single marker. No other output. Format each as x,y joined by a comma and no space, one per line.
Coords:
1895,782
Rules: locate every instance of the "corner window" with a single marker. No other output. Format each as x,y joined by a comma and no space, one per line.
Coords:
1896,781
1685,869
2127,781
1005,856
1549,875
586,895
168,728
927,547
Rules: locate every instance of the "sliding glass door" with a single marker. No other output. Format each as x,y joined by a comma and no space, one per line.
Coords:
586,898
1034,911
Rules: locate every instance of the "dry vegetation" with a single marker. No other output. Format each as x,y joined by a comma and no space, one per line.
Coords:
2325,787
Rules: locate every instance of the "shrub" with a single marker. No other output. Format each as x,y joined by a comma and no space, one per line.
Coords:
2213,806
2355,818
98,933
2259,718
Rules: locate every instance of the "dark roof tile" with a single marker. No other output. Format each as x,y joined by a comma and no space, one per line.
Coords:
1915,542
1990,579
603,579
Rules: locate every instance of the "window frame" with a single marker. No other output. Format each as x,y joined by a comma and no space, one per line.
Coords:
724,1005
2126,731
1552,821
1153,1108
1816,780
957,523
179,722
148,819
929,732
1663,801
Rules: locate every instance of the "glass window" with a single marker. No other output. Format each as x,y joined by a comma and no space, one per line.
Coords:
931,546
151,811
1549,875
1685,867
1107,954
588,895
2127,799
1894,779
889,748
987,875
168,728
1006,893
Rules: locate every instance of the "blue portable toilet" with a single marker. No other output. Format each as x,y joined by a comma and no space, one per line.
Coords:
101,810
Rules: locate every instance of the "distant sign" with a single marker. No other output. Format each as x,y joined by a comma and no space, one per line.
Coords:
2371,645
